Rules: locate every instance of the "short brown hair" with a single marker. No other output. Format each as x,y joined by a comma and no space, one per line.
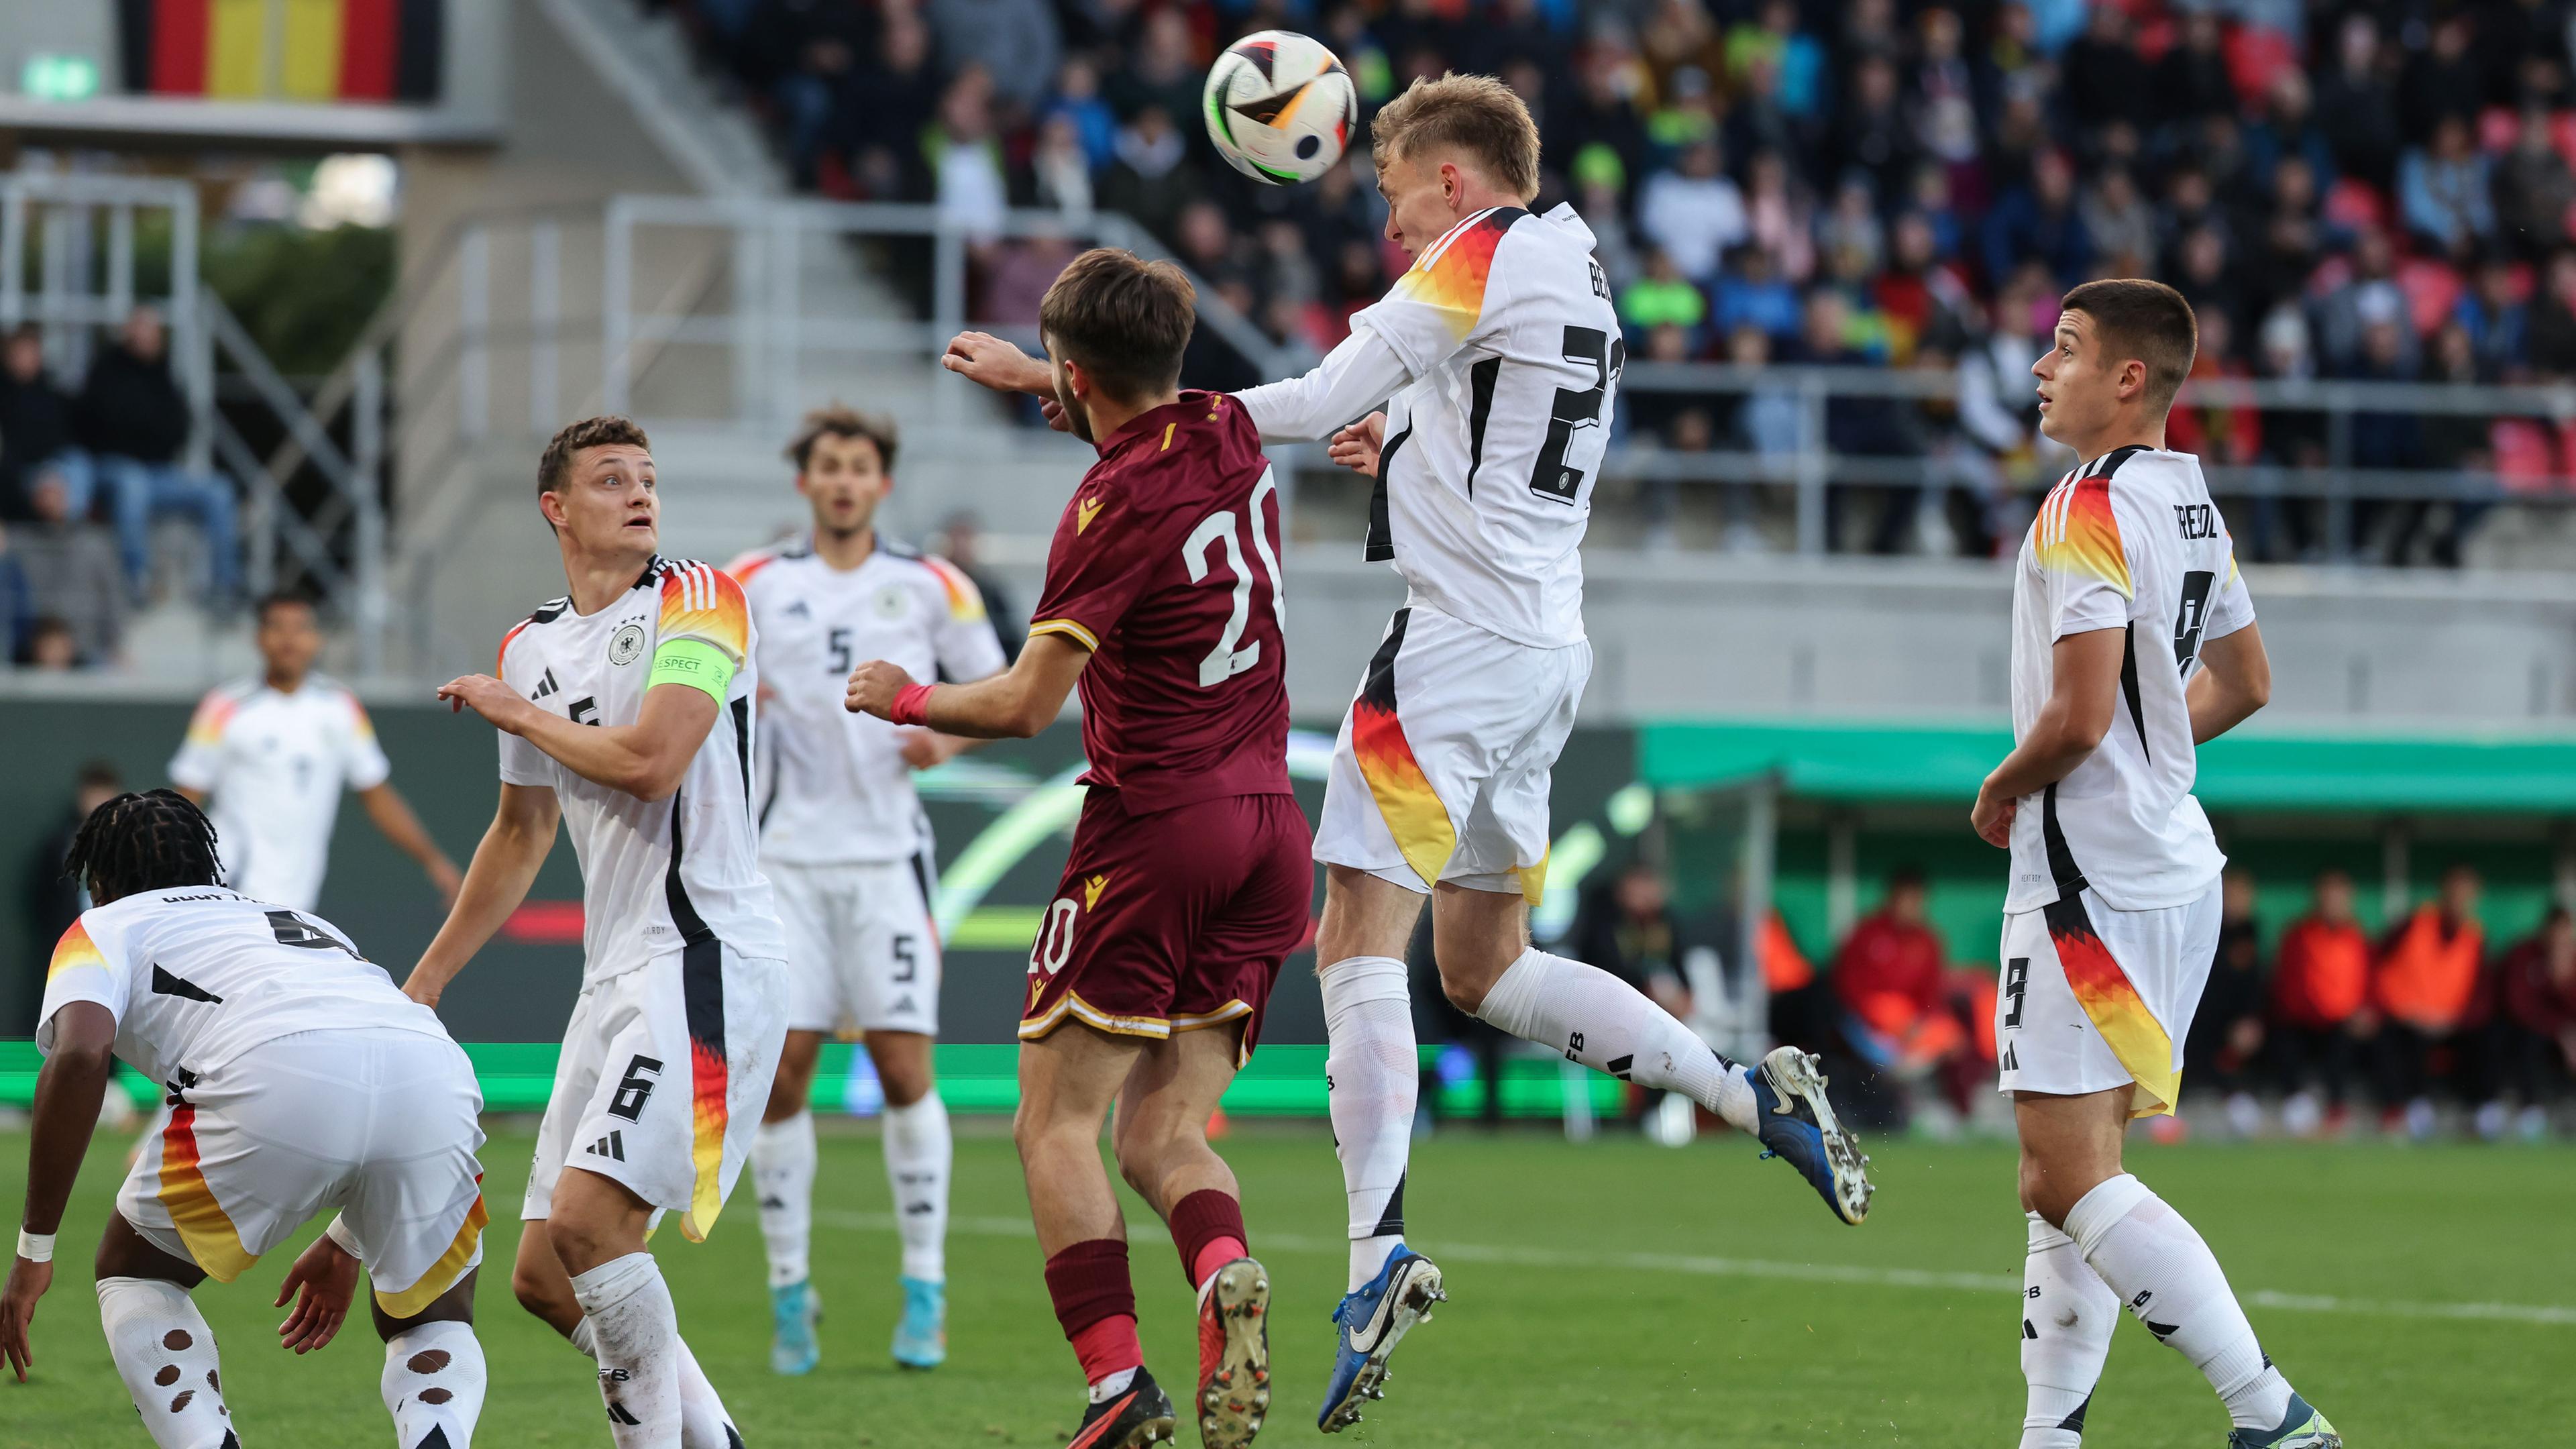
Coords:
1476,114
555,463
1125,319
2146,320
838,421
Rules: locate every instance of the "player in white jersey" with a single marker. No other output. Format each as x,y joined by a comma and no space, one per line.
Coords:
847,849
626,712
299,1079
1498,356
274,753
2133,644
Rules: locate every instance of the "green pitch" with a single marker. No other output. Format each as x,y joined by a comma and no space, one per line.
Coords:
1615,1294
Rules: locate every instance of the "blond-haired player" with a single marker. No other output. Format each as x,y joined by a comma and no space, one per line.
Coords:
1497,357
2133,644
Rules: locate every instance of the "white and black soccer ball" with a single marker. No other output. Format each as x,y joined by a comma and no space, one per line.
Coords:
1280,107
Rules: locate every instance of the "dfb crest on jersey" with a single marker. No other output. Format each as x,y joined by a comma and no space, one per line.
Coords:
626,644
892,603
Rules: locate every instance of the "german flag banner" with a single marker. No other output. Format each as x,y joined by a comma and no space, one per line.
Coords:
283,50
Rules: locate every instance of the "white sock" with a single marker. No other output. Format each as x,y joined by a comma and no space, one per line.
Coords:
2169,1279
1372,1074
782,1178
2067,1313
1610,1026
166,1354
918,1150
704,1424
637,1333
433,1385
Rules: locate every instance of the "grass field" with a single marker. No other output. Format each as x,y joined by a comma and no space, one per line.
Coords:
1615,1294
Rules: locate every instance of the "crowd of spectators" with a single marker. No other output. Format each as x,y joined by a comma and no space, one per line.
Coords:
2370,189
2309,1033
84,476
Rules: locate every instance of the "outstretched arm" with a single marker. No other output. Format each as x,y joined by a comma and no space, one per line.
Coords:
1357,375
504,866
2235,680
393,817
1014,704
2070,725
68,1092
645,759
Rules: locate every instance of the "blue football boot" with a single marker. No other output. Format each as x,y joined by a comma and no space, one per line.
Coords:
1796,1124
1372,1321
921,1335
792,1346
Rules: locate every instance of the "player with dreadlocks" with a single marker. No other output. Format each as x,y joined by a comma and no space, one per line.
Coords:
297,1076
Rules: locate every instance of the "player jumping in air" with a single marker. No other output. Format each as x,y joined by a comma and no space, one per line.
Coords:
2133,643
274,752
847,850
625,710
1189,879
1501,353
298,1078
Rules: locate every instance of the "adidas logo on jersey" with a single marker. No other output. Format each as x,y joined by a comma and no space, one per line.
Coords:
545,686
611,1146
798,610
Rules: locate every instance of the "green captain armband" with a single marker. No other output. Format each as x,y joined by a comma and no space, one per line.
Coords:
693,662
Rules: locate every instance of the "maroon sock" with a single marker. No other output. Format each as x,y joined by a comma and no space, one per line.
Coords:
1097,1306
1207,1228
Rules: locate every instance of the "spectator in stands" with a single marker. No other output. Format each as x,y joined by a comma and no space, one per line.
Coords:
1888,979
38,429
1861,427
1625,926
1662,297
2536,1032
960,540
2533,188
50,647
2442,189
2498,321
72,575
2226,1038
2430,989
1693,213
2121,223
1016,42
2039,222
2320,1005
135,422
2553,319
17,605
52,899
1148,181
2356,105
882,116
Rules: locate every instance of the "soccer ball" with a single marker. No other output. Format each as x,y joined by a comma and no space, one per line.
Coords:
1280,107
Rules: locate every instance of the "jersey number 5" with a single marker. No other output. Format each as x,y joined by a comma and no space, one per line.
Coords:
1226,661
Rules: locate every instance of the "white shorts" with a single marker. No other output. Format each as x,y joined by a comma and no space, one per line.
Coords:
862,949
377,1122
2095,998
664,1072
1441,769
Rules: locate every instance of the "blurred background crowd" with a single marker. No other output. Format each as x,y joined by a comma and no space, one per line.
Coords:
2366,189
2316,1027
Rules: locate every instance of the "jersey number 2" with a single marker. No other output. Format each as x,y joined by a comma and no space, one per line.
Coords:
1226,661
1575,411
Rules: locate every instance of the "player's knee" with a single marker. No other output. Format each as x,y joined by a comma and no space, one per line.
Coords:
2052,1195
539,1293
905,1082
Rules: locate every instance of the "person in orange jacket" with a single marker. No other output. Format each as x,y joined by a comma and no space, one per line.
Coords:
2432,993
1889,977
2320,993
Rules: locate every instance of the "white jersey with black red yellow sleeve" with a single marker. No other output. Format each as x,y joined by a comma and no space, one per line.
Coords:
2129,541
657,875
197,975
275,762
1498,356
832,786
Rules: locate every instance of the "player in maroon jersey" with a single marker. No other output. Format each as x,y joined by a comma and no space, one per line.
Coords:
1189,879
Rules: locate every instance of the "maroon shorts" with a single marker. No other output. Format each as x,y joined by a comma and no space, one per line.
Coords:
1174,920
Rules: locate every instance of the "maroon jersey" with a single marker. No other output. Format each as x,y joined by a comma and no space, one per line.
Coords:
1166,567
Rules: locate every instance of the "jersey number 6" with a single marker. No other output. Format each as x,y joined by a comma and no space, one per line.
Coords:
1226,661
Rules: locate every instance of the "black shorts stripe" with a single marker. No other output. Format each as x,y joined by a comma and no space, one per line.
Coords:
1378,688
